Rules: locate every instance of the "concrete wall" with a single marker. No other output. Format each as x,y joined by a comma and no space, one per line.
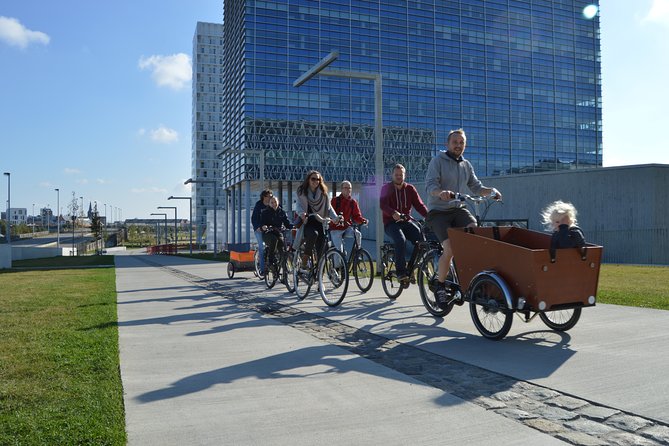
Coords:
5,259
625,209
32,252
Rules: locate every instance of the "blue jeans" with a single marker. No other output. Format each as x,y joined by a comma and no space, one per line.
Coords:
338,235
400,233
261,250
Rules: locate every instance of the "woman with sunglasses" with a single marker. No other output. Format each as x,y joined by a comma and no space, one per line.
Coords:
312,198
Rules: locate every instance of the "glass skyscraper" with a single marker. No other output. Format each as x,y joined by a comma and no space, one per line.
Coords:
521,77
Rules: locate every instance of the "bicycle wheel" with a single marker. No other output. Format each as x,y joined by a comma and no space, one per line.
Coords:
271,274
231,270
391,284
488,307
287,272
363,270
256,264
332,277
427,274
302,275
561,320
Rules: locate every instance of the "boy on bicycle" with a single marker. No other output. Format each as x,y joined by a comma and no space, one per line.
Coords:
447,175
346,206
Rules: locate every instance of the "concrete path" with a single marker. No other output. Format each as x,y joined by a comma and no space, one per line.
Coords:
201,366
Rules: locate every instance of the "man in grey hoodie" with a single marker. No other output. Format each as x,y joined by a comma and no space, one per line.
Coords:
448,174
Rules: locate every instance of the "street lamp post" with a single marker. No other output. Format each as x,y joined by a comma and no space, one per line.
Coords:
190,221
33,220
165,215
175,225
57,217
319,69
8,225
189,181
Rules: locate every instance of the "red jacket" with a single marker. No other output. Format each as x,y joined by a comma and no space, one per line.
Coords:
400,200
349,208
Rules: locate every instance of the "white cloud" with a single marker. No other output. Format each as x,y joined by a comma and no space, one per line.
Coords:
14,33
71,171
658,13
148,190
82,181
164,135
101,181
168,71
45,184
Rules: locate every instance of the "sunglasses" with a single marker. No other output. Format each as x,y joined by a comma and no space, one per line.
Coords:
314,179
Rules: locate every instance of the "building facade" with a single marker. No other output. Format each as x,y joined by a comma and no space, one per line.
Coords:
207,118
522,77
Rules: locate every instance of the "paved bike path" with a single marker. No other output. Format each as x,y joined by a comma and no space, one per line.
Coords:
198,368
615,356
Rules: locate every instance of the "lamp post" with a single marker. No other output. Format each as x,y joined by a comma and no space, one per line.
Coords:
175,225
57,217
319,69
8,225
590,12
189,181
165,215
105,214
33,220
190,221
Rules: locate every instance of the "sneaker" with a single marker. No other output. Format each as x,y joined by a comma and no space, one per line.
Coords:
404,280
442,295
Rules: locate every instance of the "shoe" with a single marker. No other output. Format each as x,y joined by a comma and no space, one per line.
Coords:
404,280
442,295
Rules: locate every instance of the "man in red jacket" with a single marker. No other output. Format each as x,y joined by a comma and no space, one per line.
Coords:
344,204
397,199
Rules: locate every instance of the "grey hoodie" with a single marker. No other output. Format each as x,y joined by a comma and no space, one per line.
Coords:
444,173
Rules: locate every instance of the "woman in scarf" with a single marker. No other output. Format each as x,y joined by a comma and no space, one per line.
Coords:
312,198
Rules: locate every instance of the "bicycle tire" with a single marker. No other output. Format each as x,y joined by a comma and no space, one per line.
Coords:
561,320
389,281
332,277
488,307
289,279
302,275
427,273
363,270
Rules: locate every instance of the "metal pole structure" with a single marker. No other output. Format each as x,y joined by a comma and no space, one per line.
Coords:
190,221
165,215
33,220
57,217
8,224
189,181
319,69
176,246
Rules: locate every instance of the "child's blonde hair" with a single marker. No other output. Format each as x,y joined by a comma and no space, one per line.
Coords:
555,211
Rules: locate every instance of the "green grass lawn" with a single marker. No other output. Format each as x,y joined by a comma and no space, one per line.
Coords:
636,286
65,261
59,367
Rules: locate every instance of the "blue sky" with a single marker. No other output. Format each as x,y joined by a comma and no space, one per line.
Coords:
95,97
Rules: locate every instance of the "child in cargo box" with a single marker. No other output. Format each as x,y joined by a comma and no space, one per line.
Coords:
560,217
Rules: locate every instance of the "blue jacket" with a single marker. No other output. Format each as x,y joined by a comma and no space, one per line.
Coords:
255,216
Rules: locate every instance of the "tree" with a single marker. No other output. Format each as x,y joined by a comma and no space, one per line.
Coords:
96,223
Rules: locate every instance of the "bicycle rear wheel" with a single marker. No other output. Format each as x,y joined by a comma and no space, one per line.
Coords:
332,277
561,320
256,263
363,270
427,274
391,284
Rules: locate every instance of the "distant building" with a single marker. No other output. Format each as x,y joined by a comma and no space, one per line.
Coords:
18,216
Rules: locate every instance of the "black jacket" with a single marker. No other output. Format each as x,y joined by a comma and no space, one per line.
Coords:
568,237
274,219
255,216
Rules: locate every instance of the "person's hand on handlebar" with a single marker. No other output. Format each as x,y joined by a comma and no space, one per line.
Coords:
495,194
446,195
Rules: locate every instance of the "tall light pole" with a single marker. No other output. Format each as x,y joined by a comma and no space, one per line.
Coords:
8,225
57,217
190,221
165,215
33,219
175,225
105,214
189,181
319,69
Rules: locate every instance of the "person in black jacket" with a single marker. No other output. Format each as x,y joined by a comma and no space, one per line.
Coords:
273,220
261,204
560,217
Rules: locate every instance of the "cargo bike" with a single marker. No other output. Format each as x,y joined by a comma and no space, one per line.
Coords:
504,270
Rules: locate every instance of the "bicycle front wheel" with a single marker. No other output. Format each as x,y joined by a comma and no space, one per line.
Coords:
427,275
363,270
302,275
389,280
488,308
332,277
288,272
271,274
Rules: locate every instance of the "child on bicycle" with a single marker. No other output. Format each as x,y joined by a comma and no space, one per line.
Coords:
560,217
273,221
